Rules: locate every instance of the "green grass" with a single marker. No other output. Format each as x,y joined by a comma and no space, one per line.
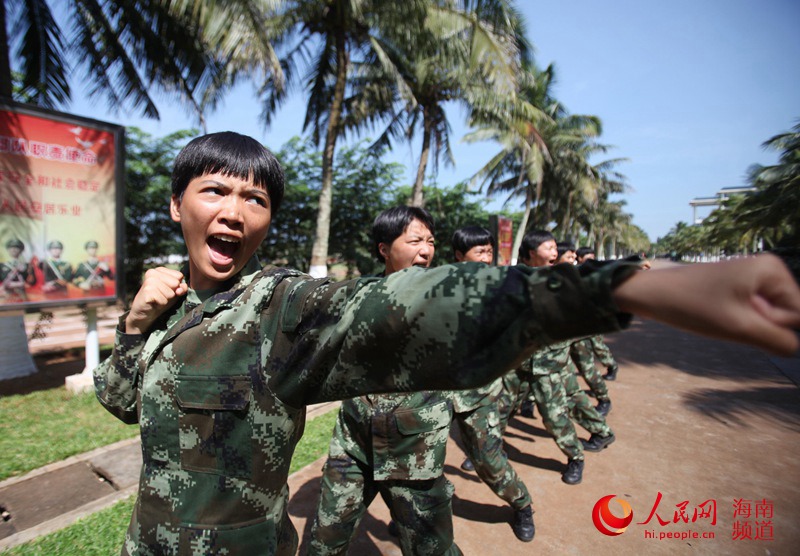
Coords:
102,533
51,425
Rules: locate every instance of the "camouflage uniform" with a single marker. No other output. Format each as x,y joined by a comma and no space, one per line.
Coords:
395,445
602,352
546,383
479,421
555,360
583,356
219,385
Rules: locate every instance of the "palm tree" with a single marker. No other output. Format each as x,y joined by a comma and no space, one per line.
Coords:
330,37
122,48
465,53
773,208
517,123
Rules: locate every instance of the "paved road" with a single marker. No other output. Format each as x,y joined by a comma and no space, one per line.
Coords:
696,421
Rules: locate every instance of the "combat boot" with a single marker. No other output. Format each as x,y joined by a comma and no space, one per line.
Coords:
612,373
526,410
597,442
523,524
574,473
603,407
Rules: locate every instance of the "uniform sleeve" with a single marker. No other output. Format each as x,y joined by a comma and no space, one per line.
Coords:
116,380
452,327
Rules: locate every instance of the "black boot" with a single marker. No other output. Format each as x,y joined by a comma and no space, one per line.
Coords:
612,373
603,407
527,409
597,442
523,524
574,473
467,465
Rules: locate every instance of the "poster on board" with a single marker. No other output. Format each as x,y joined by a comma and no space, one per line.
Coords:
61,192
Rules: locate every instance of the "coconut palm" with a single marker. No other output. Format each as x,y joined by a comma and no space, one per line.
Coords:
467,52
517,124
773,208
124,50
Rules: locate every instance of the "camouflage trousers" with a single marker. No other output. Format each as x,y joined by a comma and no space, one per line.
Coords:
421,509
482,438
581,407
582,355
515,388
551,400
602,352
553,405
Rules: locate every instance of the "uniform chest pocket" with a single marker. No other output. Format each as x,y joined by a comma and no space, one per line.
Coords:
418,446
214,425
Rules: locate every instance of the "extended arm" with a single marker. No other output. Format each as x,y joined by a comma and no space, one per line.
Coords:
753,301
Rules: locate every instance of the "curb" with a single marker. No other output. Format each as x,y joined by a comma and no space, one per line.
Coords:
70,517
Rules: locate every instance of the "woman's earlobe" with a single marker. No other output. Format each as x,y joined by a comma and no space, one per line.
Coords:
175,209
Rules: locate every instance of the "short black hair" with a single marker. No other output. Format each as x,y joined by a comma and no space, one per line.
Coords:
391,223
564,247
531,240
231,154
583,251
468,237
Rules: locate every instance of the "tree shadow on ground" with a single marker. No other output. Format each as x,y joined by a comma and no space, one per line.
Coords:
779,404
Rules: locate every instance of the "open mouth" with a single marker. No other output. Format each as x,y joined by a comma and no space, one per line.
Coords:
222,249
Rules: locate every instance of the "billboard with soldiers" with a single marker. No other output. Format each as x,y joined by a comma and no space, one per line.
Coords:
61,192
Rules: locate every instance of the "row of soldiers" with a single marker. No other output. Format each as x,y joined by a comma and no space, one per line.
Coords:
17,274
394,444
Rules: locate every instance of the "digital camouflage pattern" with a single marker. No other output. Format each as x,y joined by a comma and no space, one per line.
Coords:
421,510
582,355
546,382
219,385
602,352
395,445
482,437
581,409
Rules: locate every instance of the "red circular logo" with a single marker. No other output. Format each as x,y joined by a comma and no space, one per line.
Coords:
606,522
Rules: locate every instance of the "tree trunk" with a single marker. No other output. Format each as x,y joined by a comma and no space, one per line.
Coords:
319,250
417,198
523,225
599,248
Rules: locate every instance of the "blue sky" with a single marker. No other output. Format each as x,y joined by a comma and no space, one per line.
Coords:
687,91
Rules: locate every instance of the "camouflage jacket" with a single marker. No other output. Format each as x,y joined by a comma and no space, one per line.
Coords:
219,386
547,360
467,400
398,436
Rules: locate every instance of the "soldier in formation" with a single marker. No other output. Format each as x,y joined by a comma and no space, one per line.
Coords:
477,412
391,444
217,362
